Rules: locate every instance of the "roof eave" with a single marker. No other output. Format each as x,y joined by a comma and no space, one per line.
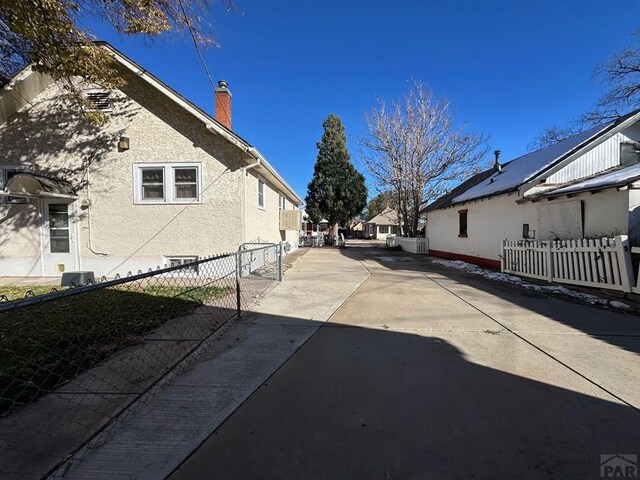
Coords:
597,188
600,137
211,124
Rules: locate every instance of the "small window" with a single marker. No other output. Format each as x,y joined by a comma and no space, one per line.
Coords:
97,99
187,261
153,184
384,228
462,223
5,175
525,230
260,193
283,203
185,183
629,153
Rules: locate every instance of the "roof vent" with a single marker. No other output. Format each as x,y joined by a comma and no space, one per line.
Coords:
496,164
97,99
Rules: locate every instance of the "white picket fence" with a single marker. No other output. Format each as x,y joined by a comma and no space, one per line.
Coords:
409,244
600,262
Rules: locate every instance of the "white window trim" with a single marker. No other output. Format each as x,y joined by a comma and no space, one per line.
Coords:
264,194
169,180
282,202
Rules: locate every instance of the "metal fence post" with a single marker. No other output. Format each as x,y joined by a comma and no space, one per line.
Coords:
238,274
280,251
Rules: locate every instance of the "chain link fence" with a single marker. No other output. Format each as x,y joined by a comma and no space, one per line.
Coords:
73,360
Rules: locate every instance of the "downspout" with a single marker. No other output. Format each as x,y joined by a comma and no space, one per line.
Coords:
254,153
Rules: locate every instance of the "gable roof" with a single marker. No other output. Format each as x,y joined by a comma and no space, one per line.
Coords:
386,217
251,154
527,168
210,122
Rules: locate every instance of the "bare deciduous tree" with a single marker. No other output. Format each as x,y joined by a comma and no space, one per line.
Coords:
416,149
555,134
620,76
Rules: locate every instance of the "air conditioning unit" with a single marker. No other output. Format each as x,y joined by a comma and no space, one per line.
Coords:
290,220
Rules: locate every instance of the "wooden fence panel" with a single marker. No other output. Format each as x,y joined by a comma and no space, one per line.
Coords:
602,262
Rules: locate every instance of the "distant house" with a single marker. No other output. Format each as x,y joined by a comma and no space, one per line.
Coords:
310,228
161,183
586,185
385,223
355,229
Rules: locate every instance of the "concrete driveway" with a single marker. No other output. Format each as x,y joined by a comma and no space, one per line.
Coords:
426,372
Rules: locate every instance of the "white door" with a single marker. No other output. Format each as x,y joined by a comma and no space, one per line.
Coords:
58,238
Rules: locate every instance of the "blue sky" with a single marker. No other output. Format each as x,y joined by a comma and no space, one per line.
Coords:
510,68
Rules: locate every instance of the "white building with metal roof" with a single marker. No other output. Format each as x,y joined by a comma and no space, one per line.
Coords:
585,186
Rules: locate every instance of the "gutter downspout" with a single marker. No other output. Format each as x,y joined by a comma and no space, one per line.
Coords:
254,153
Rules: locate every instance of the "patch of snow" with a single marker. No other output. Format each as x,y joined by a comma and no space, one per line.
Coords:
620,305
518,171
548,289
616,177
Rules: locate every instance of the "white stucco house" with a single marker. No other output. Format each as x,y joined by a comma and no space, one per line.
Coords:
585,186
160,183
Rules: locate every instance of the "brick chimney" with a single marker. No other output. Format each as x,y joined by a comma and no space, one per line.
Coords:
223,104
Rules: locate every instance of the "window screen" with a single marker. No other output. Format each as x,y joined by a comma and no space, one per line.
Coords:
185,183
152,183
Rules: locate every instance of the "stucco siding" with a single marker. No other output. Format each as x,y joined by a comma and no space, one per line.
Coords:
605,213
497,218
19,239
52,138
160,132
489,221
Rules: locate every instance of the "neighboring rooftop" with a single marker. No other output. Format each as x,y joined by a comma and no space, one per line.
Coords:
387,217
517,172
618,177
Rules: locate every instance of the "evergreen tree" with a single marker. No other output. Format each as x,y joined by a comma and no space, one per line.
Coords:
337,191
378,203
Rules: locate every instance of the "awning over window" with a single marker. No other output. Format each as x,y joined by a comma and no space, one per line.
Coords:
30,185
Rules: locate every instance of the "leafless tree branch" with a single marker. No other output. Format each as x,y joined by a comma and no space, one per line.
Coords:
416,149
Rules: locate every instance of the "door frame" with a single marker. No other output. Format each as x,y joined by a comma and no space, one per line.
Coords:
43,203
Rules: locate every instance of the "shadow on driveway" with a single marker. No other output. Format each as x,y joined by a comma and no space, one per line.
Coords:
370,403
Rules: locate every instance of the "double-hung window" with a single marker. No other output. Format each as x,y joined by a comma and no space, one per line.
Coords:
168,183
261,193
152,180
